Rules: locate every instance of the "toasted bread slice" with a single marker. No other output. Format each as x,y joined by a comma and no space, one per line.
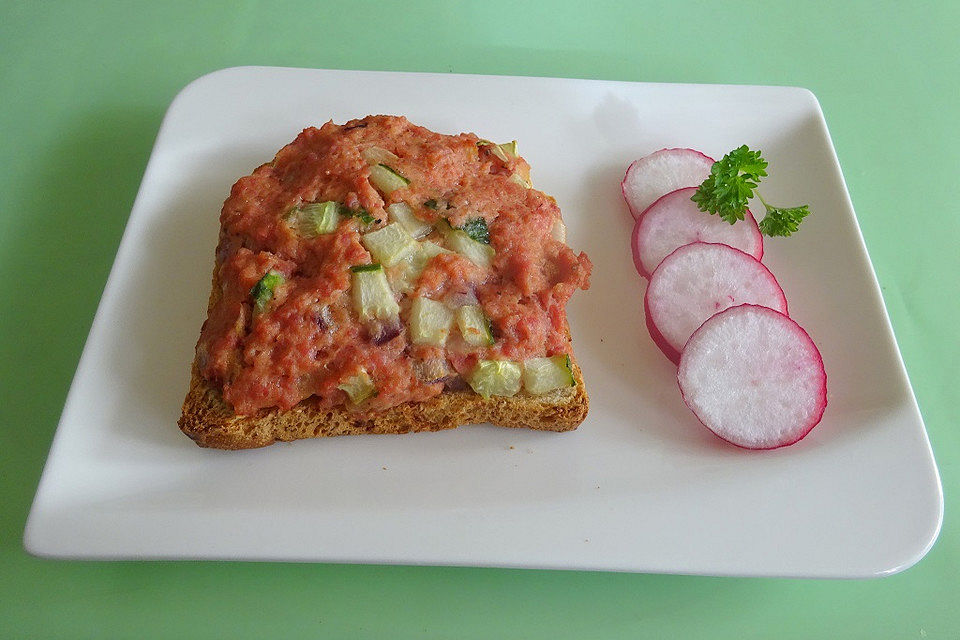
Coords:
210,422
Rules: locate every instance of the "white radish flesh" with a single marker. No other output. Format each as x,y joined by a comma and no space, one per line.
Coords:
660,173
701,279
674,220
753,377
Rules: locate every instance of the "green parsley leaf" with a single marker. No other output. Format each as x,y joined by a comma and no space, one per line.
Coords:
782,222
364,216
360,268
731,183
360,213
476,228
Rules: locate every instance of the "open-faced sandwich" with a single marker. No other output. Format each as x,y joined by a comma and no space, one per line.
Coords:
377,277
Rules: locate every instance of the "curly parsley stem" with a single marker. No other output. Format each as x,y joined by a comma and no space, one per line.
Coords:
760,197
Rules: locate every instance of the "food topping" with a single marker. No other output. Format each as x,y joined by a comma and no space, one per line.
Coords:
371,265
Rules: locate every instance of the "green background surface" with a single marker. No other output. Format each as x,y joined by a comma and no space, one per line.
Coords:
84,87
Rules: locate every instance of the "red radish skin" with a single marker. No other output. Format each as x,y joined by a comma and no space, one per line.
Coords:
754,377
661,172
674,220
698,280
672,354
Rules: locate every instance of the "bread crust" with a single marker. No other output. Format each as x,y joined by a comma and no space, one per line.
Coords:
210,422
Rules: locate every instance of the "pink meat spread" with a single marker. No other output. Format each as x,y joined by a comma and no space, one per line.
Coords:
304,336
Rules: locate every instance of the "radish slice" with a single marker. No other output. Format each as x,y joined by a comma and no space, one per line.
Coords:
754,377
701,279
662,172
674,220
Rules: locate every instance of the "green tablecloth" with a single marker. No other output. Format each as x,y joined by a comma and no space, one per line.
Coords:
84,88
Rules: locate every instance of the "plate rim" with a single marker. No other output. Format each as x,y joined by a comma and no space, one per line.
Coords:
34,546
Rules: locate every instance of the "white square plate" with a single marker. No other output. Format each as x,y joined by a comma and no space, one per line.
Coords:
641,486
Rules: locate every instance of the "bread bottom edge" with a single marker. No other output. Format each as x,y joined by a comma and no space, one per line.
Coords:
210,422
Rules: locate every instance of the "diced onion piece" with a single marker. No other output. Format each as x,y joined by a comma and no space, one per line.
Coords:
520,180
359,387
400,212
559,231
389,245
496,378
460,297
372,296
386,179
433,370
378,155
430,322
542,375
474,325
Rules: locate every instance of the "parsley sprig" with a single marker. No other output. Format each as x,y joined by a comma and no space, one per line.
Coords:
733,181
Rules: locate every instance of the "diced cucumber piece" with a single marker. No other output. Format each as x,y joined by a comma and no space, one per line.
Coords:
474,325
542,375
495,378
503,152
477,252
359,387
390,244
432,249
315,218
378,155
495,149
430,322
400,212
372,297
458,240
404,275
386,179
262,292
